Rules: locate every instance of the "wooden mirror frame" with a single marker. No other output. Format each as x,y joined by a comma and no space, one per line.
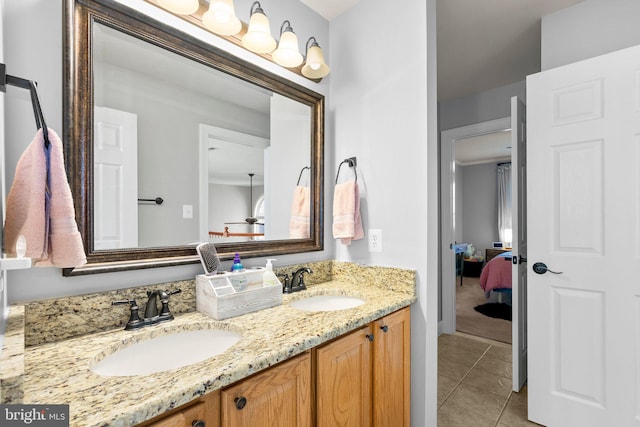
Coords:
78,133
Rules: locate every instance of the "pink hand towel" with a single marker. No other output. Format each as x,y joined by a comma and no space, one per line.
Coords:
300,212
25,202
53,239
347,223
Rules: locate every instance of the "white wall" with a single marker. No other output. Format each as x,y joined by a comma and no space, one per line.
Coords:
479,209
287,155
3,289
384,114
480,107
33,42
588,29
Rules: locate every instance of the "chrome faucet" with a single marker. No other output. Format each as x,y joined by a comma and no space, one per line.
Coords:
297,280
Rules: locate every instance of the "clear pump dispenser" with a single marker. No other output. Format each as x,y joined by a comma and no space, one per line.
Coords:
269,278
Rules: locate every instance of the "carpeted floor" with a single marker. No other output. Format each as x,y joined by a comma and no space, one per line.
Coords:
468,320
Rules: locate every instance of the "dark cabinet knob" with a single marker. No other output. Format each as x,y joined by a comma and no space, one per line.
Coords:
384,328
198,423
241,402
369,337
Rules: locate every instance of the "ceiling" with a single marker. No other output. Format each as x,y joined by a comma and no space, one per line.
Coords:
486,148
482,44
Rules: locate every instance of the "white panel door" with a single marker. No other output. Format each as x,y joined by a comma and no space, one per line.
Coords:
519,244
115,179
583,154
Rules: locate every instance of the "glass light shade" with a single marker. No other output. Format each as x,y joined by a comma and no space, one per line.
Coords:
287,53
258,38
221,18
315,67
181,7
21,246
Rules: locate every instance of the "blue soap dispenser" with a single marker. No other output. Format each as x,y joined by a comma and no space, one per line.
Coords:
237,264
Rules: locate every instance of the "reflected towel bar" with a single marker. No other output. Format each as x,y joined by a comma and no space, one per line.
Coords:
157,200
300,176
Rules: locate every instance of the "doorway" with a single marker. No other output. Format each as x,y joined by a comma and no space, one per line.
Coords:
514,273
473,136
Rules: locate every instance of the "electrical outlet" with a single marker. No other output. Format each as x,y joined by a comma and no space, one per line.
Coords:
375,240
187,211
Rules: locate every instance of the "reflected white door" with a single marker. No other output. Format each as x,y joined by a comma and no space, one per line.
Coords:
519,244
115,179
583,154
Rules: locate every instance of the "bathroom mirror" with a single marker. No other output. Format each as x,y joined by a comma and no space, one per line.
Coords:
170,141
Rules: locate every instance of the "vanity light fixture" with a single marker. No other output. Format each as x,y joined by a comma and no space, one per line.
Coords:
180,7
258,38
287,54
314,67
221,18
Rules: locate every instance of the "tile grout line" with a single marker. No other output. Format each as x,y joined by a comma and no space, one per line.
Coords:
465,376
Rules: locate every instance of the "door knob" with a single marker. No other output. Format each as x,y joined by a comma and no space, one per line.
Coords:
541,268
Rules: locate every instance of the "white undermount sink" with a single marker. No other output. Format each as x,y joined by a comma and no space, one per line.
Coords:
166,352
327,303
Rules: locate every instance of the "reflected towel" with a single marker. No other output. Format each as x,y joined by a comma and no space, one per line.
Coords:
347,223
49,226
300,212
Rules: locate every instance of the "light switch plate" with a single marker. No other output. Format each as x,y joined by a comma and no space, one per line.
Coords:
187,211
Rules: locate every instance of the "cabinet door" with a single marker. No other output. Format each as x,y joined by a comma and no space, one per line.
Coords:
183,418
392,370
279,396
205,410
343,381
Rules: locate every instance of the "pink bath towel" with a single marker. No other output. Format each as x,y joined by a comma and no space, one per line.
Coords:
347,223
300,212
49,226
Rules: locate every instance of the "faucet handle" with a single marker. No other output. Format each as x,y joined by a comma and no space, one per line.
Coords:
134,321
286,284
165,314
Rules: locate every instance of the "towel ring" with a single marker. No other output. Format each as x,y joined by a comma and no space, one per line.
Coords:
352,164
300,176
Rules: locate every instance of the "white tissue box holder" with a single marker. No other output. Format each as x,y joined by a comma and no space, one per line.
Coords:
222,296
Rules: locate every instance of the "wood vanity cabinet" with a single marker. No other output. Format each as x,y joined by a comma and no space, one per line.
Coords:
363,378
202,412
280,396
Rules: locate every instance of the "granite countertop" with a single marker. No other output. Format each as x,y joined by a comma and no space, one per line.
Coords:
58,373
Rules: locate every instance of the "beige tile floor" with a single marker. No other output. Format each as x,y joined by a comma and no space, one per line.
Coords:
474,384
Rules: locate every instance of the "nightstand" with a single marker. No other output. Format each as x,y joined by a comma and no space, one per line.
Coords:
493,252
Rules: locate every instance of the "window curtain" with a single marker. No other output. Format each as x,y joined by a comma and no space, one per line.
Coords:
504,202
